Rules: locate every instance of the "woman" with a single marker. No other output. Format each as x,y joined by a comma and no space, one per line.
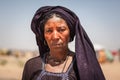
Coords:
55,27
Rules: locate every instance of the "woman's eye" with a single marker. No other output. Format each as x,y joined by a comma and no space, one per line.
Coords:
61,30
48,31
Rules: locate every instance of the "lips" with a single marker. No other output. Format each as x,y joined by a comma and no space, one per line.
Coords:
57,44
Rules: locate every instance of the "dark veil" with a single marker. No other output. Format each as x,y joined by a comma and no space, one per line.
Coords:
87,64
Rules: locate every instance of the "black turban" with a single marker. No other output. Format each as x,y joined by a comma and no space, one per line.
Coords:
87,64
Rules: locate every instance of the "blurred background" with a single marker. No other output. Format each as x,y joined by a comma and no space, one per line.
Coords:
100,19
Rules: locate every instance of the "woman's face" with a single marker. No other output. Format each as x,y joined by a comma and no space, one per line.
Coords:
56,33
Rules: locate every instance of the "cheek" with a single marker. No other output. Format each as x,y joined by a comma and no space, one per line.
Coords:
46,38
67,38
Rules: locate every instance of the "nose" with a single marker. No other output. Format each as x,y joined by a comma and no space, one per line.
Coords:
55,35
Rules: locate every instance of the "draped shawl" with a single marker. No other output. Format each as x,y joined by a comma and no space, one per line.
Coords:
87,64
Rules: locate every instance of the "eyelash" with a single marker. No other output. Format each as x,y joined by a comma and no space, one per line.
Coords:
50,31
61,30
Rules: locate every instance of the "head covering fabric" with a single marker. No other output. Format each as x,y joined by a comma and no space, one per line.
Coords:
87,64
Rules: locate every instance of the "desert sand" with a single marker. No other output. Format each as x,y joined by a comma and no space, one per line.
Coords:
13,71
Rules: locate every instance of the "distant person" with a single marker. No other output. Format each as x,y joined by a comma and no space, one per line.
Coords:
55,27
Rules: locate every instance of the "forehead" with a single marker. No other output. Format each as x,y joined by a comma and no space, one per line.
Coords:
55,21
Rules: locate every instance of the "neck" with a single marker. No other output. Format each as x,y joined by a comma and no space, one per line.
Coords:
59,54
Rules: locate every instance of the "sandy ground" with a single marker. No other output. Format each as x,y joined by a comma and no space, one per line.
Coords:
111,70
12,71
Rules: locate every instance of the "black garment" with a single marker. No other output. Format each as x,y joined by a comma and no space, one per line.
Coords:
33,68
45,75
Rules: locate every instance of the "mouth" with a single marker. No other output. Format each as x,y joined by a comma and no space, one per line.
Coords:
57,45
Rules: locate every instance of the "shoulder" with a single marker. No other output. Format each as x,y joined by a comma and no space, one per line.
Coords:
34,64
31,66
35,61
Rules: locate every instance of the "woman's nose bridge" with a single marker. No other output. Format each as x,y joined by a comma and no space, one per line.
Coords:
55,34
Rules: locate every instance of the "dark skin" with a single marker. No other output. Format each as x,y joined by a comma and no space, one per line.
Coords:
57,36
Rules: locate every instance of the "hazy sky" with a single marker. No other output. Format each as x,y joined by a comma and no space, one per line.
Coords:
100,19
